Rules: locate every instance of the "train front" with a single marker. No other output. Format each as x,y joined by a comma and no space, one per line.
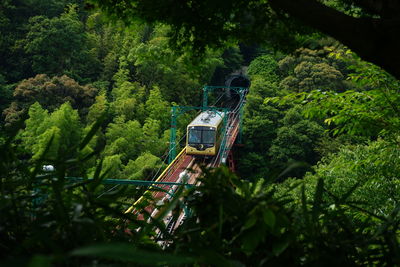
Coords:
203,134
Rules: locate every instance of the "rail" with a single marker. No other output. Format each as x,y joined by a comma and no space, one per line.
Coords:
171,178
171,167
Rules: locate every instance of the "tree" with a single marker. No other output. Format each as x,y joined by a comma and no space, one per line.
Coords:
261,119
14,23
370,171
143,168
370,109
372,33
314,69
99,107
112,167
124,138
265,66
62,126
128,97
50,93
156,64
309,76
35,125
154,140
5,94
157,108
295,140
61,46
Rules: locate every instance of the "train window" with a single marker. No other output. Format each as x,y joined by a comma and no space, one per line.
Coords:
201,135
194,136
208,137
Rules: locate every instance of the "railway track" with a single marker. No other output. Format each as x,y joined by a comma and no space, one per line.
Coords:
183,170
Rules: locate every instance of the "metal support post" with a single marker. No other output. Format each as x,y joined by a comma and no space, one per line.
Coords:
223,142
240,124
172,136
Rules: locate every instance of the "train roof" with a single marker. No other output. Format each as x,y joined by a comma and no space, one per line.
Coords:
208,118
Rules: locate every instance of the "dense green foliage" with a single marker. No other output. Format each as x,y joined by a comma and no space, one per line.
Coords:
259,224
78,57
319,169
367,27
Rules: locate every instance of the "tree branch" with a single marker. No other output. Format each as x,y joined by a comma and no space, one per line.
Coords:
374,40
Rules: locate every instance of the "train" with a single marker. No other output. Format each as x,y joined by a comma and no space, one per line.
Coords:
204,134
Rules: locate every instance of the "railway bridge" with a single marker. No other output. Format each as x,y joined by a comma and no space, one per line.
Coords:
184,169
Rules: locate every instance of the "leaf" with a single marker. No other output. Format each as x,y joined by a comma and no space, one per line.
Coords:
350,192
304,206
40,261
317,199
269,218
97,178
251,221
213,258
280,247
252,239
328,121
127,252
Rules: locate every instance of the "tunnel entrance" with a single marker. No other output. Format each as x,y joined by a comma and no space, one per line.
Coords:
232,98
238,81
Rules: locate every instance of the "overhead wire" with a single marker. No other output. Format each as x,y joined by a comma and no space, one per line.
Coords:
105,192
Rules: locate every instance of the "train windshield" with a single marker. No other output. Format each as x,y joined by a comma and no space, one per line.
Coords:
208,137
194,136
201,135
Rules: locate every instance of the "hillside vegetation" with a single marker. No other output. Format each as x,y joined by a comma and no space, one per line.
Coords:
89,91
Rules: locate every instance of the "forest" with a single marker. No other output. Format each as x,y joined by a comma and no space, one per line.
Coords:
87,87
